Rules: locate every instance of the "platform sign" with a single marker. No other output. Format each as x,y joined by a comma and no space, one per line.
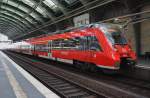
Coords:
81,20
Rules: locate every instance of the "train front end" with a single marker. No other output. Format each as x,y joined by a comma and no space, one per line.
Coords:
120,50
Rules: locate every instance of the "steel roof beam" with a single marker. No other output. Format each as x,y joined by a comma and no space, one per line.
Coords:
4,30
61,6
12,24
26,6
22,4
17,16
13,13
12,33
33,9
13,21
48,10
20,11
84,2
39,15
13,18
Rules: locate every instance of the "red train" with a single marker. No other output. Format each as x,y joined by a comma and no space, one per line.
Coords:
100,45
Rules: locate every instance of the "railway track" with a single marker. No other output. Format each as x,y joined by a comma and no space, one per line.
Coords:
90,88
58,84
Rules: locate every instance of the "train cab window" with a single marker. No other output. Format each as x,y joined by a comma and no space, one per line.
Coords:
116,37
113,33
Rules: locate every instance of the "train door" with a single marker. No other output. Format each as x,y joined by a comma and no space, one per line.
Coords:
32,49
50,49
94,49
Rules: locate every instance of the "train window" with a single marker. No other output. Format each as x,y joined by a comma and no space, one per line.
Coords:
41,47
67,44
80,43
77,43
93,43
56,44
25,47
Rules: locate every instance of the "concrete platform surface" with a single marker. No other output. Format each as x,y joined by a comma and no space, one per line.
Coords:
143,63
15,82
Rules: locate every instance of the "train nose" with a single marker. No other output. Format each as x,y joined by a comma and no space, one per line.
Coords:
124,52
127,63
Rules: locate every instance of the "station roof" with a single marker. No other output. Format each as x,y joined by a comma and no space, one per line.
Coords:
18,17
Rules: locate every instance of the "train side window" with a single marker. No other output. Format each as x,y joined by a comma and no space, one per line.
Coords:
57,44
67,44
79,43
94,44
70,44
41,47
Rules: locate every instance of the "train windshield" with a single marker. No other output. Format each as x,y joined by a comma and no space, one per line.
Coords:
116,37
114,34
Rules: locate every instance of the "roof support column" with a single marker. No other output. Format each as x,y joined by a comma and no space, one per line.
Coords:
137,34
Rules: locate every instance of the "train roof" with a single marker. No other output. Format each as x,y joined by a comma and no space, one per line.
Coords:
76,29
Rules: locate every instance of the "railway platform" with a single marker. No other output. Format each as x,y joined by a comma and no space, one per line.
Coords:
15,82
144,63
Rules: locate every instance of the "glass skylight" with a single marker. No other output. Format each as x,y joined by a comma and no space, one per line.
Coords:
28,2
14,11
5,1
29,19
12,3
10,15
34,15
50,4
42,11
25,9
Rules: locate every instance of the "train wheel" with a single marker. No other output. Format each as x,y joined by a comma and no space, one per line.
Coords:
80,65
83,66
76,64
92,67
